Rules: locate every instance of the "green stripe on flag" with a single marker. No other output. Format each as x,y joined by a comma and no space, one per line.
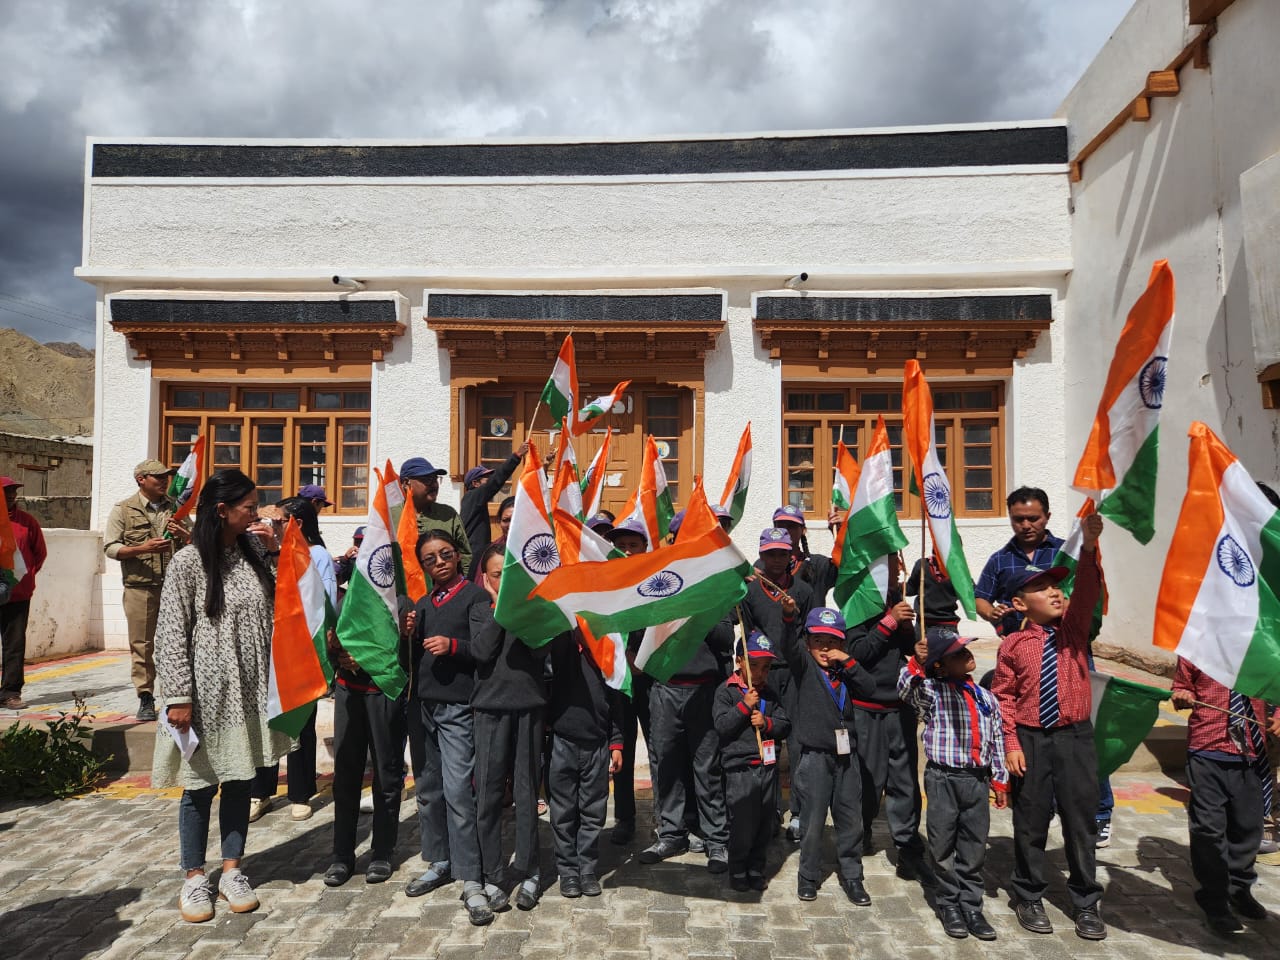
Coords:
1123,714
1259,674
371,635
678,649
1132,505
534,620
958,572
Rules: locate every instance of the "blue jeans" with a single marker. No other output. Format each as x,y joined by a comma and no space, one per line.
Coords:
193,822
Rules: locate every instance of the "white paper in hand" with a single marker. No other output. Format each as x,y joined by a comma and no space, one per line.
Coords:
187,742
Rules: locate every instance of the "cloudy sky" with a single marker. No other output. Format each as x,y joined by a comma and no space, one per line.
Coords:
482,68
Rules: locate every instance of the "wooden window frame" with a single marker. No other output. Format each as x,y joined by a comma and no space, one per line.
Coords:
949,422
250,420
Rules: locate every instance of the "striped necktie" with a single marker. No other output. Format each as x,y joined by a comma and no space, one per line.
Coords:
1049,712
1242,732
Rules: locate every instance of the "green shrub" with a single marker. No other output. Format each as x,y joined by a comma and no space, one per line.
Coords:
36,764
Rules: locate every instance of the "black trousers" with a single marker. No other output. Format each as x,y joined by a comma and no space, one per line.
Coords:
684,738
1225,822
750,793
13,645
1061,762
508,742
635,711
827,781
299,772
781,680
578,790
959,822
888,753
364,724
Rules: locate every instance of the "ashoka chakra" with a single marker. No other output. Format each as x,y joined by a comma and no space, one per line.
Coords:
540,555
664,583
1235,562
1151,382
937,498
382,567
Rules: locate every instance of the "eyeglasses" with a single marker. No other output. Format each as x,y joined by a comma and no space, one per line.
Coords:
444,556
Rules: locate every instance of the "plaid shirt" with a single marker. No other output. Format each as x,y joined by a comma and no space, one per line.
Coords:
1207,730
961,721
1018,662
1003,566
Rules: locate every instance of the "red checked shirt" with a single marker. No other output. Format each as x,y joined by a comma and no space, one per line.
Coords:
1017,681
1207,730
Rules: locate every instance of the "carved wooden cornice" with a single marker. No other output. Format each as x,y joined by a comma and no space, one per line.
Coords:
1000,341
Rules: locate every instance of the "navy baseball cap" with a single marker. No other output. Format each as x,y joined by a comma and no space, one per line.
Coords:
475,473
359,534
774,538
312,491
825,620
789,514
418,468
1032,572
760,647
943,640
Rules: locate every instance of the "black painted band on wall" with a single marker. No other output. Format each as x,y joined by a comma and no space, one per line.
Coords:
1009,146
636,308
975,308
197,313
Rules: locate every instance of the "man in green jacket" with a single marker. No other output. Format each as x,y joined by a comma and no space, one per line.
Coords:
421,482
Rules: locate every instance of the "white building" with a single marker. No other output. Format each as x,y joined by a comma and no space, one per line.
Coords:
669,260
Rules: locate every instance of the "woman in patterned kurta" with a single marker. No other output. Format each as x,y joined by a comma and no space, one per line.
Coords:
213,642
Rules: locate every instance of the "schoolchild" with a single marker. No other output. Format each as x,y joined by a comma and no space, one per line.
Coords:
964,751
751,722
819,572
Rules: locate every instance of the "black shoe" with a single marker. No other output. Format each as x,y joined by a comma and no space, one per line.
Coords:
1031,915
1224,923
738,883
757,882
527,895
338,873
806,889
146,707
590,886
427,882
1089,925
570,888
1247,906
663,850
478,910
624,832
697,844
378,871
717,860
915,866
978,926
856,892
953,923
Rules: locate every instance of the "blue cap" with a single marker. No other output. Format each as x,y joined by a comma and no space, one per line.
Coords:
825,620
418,468
674,525
760,647
359,534
1031,572
631,525
722,513
774,538
474,474
312,491
789,514
601,522
943,640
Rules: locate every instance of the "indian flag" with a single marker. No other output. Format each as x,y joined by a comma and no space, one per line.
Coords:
300,672
1217,604
869,535
650,588
608,651
531,554
846,479
415,579
651,503
734,498
566,493
13,566
598,407
920,439
593,481
561,392
1118,466
1068,556
186,483
1123,714
369,624
667,647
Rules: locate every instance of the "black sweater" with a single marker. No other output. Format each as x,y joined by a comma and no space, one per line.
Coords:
449,677
940,597
738,748
814,714
707,665
475,509
583,709
508,671
881,647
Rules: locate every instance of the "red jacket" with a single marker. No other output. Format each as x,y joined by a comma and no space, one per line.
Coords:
26,530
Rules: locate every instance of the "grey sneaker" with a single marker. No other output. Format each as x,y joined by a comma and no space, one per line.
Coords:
233,887
195,902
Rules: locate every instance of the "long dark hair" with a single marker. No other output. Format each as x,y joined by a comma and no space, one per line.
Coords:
229,487
304,512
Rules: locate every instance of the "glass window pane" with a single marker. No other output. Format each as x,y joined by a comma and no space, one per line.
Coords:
313,432
497,405
226,433
977,456
799,479
662,406
312,474
355,476
801,401
271,433
980,478
832,401
270,476
495,449
980,399
800,457
284,400
355,400
270,454
977,433
255,399
355,432
227,455
797,436
355,453
978,500
326,400
662,426
217,399
188,399
948,400
802,500
879,401
309,455
354,498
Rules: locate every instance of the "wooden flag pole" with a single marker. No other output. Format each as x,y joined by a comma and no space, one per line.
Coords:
1230,713
924,556
742,633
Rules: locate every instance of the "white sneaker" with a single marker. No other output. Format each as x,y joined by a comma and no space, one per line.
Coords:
233,887
366,802
301,811
195,902
259,806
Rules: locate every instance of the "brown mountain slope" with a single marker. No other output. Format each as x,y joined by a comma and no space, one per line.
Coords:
43,391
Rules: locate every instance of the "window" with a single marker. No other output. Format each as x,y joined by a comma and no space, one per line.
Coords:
496,420
968,419
283,437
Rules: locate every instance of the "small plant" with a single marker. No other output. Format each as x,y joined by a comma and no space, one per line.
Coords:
36,764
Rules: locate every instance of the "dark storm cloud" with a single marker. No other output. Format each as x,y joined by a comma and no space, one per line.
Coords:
464,68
